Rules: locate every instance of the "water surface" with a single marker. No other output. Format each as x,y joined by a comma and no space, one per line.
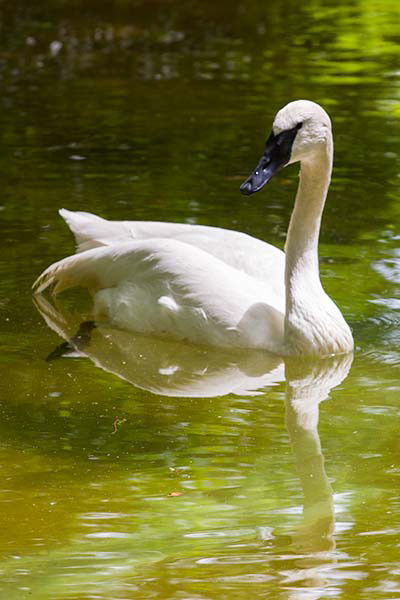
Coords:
162,471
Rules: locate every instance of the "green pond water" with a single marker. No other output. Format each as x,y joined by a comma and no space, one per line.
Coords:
152,469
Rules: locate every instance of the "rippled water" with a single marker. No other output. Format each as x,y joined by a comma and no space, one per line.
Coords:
157,470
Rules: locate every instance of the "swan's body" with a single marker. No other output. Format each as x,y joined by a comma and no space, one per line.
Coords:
213,286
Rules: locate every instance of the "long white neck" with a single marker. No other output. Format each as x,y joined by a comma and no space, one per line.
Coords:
313,323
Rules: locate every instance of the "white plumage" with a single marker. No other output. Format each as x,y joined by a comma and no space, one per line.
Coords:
214,286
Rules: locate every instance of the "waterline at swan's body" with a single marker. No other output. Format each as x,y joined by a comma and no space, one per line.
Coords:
213,286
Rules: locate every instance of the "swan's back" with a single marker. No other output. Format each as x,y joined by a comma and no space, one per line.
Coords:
239,250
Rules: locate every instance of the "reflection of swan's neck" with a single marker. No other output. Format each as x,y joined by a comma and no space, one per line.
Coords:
309,381
302,426
309,311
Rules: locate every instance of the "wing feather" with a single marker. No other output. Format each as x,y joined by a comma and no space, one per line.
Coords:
168,287
236,249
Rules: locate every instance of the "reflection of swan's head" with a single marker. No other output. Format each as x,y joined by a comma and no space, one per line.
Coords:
298,130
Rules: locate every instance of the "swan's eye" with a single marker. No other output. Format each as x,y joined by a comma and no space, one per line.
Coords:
299,126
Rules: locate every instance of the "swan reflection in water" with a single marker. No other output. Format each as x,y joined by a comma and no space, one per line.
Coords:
178,369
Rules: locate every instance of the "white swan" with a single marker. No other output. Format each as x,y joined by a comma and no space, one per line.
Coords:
213,286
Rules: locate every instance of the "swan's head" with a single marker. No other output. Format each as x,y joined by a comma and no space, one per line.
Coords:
298,131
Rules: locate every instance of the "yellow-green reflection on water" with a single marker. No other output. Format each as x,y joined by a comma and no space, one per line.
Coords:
152,470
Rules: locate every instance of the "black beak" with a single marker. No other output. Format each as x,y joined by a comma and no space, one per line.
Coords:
276,155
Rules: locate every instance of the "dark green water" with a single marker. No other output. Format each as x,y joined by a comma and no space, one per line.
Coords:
189,474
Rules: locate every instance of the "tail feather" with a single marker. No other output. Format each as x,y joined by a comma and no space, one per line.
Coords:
91,231
69,272
95,269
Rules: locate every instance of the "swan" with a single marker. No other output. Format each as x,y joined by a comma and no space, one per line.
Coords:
212,286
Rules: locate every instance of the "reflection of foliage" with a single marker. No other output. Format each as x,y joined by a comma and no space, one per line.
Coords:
159,40
100,504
